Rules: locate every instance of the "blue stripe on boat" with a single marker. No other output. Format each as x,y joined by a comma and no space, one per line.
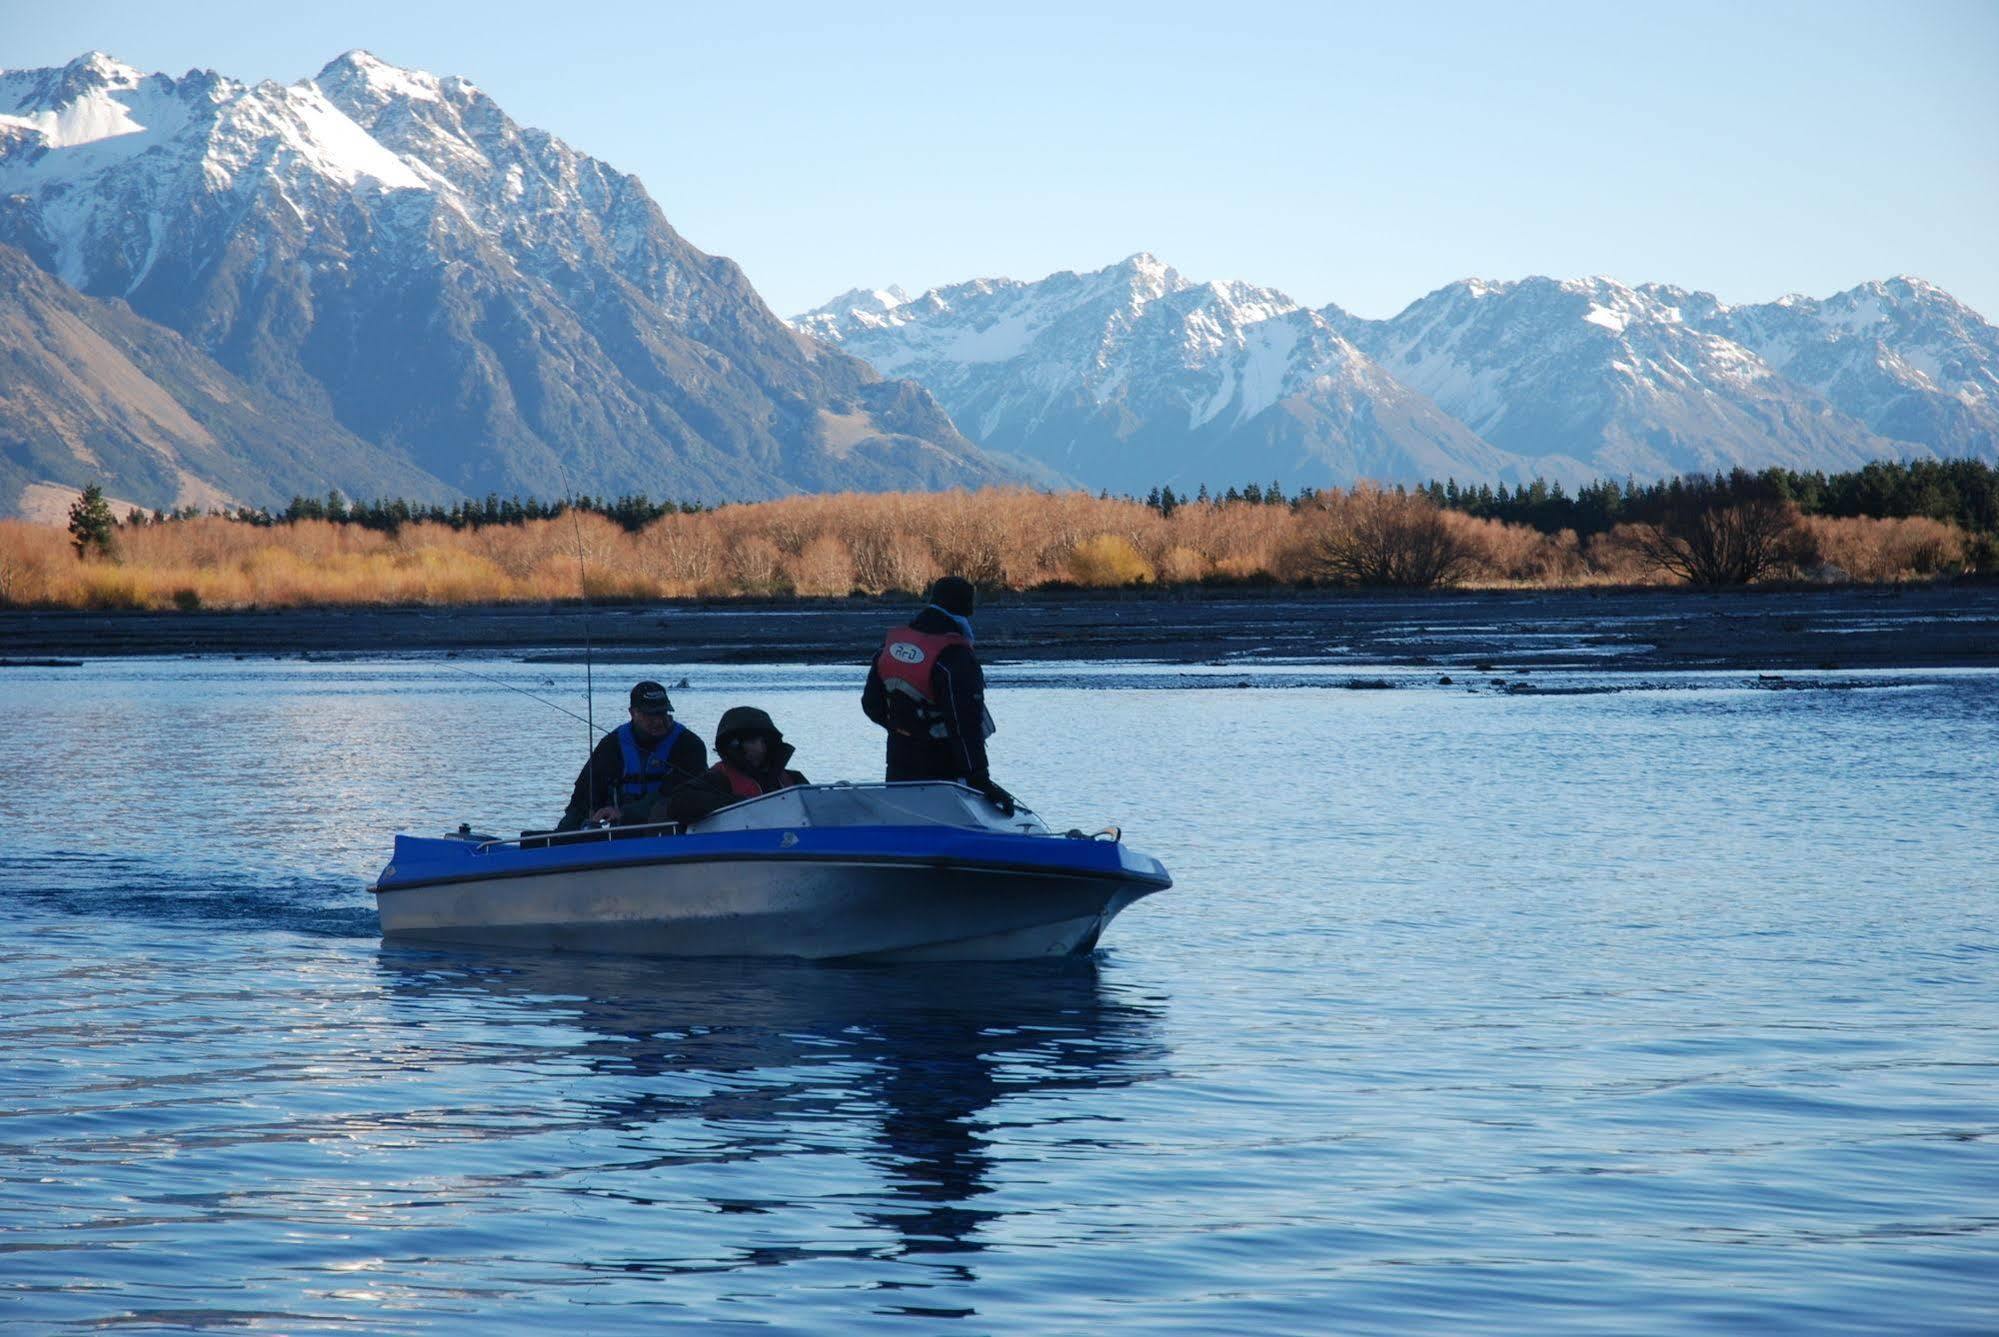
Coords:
421,860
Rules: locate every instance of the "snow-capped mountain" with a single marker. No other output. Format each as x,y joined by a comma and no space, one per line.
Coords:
1902,356
388,248
1132,376
1612,376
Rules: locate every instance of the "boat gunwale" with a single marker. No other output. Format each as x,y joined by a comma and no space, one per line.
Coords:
1157,881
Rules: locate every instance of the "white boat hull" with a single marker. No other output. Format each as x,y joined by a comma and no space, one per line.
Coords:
886,911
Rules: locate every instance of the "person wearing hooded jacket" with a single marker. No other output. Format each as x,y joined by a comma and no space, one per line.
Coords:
926,688
753,756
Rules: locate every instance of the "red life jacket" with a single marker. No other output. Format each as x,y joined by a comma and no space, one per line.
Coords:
743,785
908,658
740,784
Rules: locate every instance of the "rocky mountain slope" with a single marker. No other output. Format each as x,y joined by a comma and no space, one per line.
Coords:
388,249
91,392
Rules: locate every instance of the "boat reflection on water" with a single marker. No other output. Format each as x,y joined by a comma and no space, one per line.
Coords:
727,1061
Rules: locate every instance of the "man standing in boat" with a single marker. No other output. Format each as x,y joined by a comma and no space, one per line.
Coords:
927,689
753,760
635,764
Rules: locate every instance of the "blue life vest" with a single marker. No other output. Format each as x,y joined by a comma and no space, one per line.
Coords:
645,773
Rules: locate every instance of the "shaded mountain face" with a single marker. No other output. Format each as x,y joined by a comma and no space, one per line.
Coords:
387,249
1902,356
1132,376
1613,377
91,392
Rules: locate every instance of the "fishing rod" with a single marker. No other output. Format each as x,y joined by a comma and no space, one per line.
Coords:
583,592
502,682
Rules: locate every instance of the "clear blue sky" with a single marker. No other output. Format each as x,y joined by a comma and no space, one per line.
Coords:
1357,155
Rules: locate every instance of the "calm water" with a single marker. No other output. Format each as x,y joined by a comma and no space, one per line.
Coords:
1670,1008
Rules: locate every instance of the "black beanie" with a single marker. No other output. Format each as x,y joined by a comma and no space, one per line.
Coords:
953,594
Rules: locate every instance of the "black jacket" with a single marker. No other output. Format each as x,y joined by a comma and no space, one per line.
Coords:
597,783
958,685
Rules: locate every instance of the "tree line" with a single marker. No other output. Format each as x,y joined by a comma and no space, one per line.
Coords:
1960,492
631,512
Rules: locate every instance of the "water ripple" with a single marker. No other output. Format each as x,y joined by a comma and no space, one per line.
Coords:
1664,1009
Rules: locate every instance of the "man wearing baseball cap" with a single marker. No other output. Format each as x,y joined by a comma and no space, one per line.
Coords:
636,764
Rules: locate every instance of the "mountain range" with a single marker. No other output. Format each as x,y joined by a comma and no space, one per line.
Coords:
375,280
1132,376
422,297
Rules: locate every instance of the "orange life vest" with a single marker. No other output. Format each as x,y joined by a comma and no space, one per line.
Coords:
908,657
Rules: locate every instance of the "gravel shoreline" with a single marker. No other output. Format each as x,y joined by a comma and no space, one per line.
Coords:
1892,627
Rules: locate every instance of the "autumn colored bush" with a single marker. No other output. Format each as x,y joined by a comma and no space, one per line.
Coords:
1182,565
1372,536
29,556
823,566
1866,549
1504,554
1108,559
897,543
1616,557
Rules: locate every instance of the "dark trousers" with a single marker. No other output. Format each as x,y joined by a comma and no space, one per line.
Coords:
922,759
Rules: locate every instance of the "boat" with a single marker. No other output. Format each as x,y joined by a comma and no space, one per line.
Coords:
911,871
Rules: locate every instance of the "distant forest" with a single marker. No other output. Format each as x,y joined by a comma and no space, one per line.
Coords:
1961,492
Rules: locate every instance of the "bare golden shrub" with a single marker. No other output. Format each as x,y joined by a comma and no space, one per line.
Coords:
1867,549
517,551
683,553
1108,559
1239,539
888,557
898,542
1503,553
103,585
966,539
1371,536
1618,558
1709,544
825,567
756,565
31,556
1182,565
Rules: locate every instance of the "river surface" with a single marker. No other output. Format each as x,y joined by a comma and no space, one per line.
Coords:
1651,1004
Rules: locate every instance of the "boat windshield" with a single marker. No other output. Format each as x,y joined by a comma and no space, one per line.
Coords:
914,804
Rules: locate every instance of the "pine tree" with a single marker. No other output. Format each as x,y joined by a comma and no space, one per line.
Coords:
91,523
